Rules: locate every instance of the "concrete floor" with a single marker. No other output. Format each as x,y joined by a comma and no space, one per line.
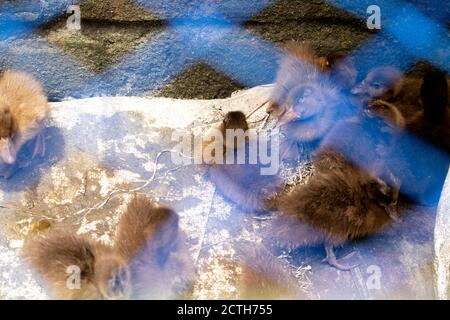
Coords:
101,145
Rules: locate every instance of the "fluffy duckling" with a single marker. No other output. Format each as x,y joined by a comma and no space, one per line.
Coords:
234,120
391,85
382,83
307,101
148,261
342,201
433,123
75,267
23,108
342,70
242,184
298,65
312,109
334,207
149,238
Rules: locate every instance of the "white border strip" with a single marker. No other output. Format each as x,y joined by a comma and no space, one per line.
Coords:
442,243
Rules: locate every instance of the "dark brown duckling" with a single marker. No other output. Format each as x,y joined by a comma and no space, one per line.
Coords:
343,201
334,207
242,184
384,83
433,122
389,84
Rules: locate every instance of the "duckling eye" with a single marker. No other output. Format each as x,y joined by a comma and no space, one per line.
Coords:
376,86
302,95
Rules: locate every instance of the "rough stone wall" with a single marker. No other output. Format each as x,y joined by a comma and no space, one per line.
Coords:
113,29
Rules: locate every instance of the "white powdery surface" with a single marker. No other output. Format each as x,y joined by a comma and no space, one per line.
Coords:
81,178
16,280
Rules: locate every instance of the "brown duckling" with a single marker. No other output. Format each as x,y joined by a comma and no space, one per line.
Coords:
23,108
333,207
297,66
312,110
148,261
433,122
149,238
342,201
100,272
342,70
391,85
242,184
384,83
234,120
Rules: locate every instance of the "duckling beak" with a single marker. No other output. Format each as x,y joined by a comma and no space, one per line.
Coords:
359,89
287,117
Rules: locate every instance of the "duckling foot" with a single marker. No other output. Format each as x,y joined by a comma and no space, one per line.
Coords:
39,146
332,261
392,211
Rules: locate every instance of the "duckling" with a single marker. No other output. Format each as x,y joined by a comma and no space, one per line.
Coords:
149,238
367,141
307,101
382,83
433,122
334,207
23,108
148,260
389,84
343,201
312,109
234,120
242,184
102,274
298,65
342,70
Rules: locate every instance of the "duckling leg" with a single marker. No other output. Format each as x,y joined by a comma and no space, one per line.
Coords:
39,146
332,261
392,208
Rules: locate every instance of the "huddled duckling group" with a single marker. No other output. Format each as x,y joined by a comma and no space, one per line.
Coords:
315,100
356,128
